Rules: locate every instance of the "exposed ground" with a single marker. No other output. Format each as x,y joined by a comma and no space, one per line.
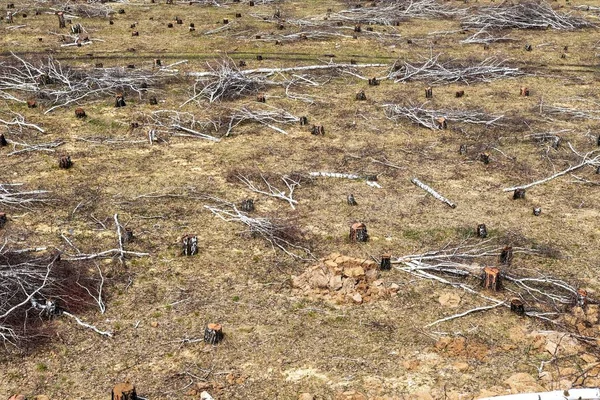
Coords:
281,341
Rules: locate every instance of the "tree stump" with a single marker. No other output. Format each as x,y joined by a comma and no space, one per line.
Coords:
303,120
350,200
463,149
135,33
192,29
582,297
31,103
537,211
65,162
506,255
361,96
482,231
519,194
251,3
491,278
3,141
516,306
358,232
131,66
61,20
374,82
317,130
111,22
441,123
598,141
152,101
124,391
128,237
238,15
225,21
80,113
10,5
357,29
169,25
386,262
213,333
261,98
119,100
132,26
190,245
99,65
247,205
524,91
242,63
460,93
429,93
484,157
3,219
528,47
121,11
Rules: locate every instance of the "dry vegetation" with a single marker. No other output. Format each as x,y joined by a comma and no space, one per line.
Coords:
212,125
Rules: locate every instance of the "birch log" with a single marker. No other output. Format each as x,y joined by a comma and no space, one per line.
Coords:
433,192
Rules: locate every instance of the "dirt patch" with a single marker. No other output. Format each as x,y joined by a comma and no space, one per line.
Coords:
343,279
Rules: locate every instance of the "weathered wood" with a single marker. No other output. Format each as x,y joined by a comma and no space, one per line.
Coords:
358,232
432,192
190,245
524,91
463,149
119,100
261,98
582,297
213,333
484,157
124,391
441,123
303,120
374,82
317,130
61,20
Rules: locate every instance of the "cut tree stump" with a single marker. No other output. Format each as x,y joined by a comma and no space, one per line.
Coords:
441,123
119,100
516,306
351,200
261,98
31,103
386,262
3,219
152,101
247,205
358,232
484,158
506,255
361,96
460,93
524,92
482,231
317,130
537,211
303,121
519,194
463,149
491,278
190,245
65,162
213,333
582,297
124,391
61,20
429,93
3,141
80,113
374,82
357,29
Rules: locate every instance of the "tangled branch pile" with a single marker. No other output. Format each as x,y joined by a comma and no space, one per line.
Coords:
434,71
90,9
179,124
390,12
268,118
11,195
525,15
434,119
570,112
59,85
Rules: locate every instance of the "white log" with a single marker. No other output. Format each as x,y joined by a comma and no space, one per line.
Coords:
571,394
433,192
292,69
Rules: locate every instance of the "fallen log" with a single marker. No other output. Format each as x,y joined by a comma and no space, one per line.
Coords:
433,192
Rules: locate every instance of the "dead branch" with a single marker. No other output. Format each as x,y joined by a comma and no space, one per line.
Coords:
19,122
176,122
268,189
268,118
367,179
433,192
46,147
11,195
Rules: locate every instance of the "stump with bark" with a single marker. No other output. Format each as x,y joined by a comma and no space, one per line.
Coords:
537,211
99,65
247,205
135,33
361,96
582,297
213,333
259,57
528,47
242,64
524,91
357,29
169,25
429,93
484,157
3,141
317,130
179,21
3,219
358,232
190,245
519,194
261,98
386,262
463,149
124,391
460,93
31,103
517,306
506,255
119,100
374,82
482,231
441,123
152,101
80,113
351,200
61,20
65,162
303,120
491,278
238,15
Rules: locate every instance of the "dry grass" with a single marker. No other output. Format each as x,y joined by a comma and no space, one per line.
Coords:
240,282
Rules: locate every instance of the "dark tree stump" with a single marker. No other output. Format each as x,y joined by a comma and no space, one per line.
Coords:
441,123
213,333
506,255
369,29
128,237
519,194
358,232
484,158
386,262
242,63
482,231
31,103
374,82
357,29
247,205
598,141
524,91
429,93
134,125
351,200
463,149
192,25
225,21
361,96
3,141
65,162
257,37
460,93
179,21
251,3
132,26
157,62
135,33
259,57
491,278
121,11
537,211
582,297
3,219
10,5
99,65
131,66
111,22
152,101
169,25
317,130
119,100
192,29
80,113
516,306
190,245
303,120
238,15
61,20
124,391
261,98
528,47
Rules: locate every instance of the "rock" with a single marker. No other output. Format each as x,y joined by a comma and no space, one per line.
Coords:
357,298
449,299
371,275
154,324
299,281
205,396
424,394
354,272
335,282
460,366
591,314
394,288
348,285
330,264
306,396
350,395
588,358
523,383
319,280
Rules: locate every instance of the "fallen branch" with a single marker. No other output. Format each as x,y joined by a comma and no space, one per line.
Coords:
433,192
